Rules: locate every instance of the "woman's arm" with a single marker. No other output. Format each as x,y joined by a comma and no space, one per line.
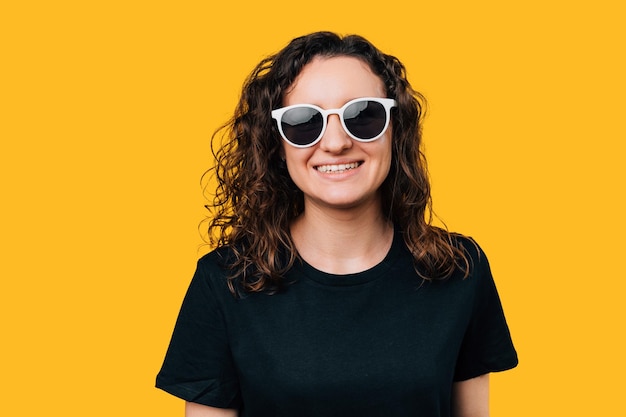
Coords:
470,398
199,410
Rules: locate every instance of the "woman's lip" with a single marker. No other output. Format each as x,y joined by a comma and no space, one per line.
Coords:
339,162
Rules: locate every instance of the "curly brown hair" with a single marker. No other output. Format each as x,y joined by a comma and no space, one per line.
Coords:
256,199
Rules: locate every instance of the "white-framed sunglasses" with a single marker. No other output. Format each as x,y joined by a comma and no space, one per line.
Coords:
364,119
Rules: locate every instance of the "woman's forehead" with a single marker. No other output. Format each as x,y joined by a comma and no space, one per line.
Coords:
332,81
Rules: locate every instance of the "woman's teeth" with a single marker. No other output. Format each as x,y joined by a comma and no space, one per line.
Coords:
337,168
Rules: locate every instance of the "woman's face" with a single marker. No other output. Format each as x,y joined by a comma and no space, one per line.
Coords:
337,172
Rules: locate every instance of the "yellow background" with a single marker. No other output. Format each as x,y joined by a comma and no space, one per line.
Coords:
107,109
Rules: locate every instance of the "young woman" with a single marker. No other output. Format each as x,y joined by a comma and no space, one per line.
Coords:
329,293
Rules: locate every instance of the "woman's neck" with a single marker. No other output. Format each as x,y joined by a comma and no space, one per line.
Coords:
342,241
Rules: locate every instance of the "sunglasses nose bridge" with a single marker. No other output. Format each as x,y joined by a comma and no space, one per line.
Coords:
335,137
330,112
337,112
339,119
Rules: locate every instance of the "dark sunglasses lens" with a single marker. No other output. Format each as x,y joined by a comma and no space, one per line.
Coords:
365,119
302,125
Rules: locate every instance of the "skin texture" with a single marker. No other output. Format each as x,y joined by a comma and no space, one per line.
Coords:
471,398
199,410
345,206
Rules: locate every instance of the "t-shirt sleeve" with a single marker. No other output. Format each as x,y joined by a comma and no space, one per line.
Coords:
487,345
198,365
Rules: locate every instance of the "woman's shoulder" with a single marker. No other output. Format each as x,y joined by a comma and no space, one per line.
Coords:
219,257
213,267
467,244
472,251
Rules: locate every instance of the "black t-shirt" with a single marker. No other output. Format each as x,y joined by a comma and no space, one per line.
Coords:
376,343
